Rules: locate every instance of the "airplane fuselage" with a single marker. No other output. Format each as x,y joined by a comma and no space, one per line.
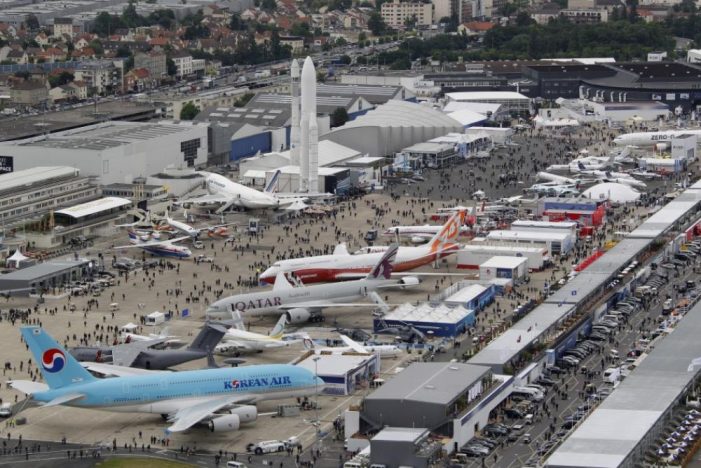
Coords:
652,138
246,197
163,393
327,268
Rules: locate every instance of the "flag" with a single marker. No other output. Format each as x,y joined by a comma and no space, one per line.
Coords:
185,313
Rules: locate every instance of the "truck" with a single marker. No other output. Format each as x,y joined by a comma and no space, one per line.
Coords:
262,74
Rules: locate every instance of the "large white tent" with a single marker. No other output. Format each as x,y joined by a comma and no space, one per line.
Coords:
393,126
618,193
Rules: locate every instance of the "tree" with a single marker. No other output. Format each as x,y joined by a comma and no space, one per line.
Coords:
376,24
105,24
243,100
300,29
339,117
123,51
189,111
268,5
171,68
362,37
236,23
32,22
410,22
96,45
130,18
60,80
345,59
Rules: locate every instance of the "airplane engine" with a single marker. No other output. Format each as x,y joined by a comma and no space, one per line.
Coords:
298,315
409,281
248,413
226,423
418,240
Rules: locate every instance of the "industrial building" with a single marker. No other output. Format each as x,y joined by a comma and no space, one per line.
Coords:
394,447
473,297
620,430
446,320
375,95
27,195
472,255
556,242
393,126
513,268
45,277
114,151
513,102
341,373
450,399
547,226
86,219
431,155
587,212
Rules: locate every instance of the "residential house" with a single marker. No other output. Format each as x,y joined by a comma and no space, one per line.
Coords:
154,62
29,93
17,56
139,79
81,89
42,39
62,93
7,31
63,26
183,63
296,43
475,28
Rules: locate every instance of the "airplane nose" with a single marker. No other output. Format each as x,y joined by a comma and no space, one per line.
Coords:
268,275
319,384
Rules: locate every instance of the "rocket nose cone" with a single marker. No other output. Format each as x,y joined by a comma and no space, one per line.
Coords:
294,68
308,68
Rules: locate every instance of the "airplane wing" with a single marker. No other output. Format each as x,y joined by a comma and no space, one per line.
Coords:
204,199
63,399
152,243
355,346
116,371
126,354
189,415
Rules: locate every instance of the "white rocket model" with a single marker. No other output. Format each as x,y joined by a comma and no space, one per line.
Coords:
294,133
309,161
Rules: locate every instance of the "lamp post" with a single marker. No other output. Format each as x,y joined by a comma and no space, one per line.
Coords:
316,393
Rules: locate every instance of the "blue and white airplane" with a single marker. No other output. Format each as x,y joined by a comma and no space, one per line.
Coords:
154,246
221,398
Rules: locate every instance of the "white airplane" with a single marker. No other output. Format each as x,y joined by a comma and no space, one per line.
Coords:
305,303
555,179
646,175
618,177
553,190
230,194
354,347
585,164
170,340
418,234
237,339
662,140
341,265
219,229
149,243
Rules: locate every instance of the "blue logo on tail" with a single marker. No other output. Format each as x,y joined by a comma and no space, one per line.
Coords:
53,360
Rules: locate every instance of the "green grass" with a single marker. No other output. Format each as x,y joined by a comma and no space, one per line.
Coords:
142,462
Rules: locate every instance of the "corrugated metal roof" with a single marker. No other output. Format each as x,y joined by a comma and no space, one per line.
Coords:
94,207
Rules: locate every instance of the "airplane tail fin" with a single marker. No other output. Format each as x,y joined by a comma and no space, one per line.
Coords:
341,249
449,232
57,366
237,320
272,185
208,338
383,269
279,328
581,166
309,343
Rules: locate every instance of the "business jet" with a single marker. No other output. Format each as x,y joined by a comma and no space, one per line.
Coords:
419,234
148,243
163,337
386,350
553,190
662,140
305,303
618,177
341,265
237,339
222,399
228,194
585,164
218,230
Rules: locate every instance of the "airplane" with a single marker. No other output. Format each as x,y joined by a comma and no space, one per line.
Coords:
142,355
220,398
646,175
403,330
305,303
341,265
231,194
219,229
238,339
619,177
165,248
385,350
662,140
419,234
553,190
585,164
163,337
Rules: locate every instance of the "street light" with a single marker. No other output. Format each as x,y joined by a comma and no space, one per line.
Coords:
316,393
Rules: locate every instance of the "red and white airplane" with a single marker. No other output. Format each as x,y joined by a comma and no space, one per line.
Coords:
342,266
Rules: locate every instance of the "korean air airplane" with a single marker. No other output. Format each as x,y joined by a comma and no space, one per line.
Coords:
220,398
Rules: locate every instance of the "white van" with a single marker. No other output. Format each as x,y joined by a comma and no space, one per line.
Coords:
235,464
529,392
612,375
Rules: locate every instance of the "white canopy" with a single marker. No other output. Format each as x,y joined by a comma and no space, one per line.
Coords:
15,259
156,315
618,193
130,326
